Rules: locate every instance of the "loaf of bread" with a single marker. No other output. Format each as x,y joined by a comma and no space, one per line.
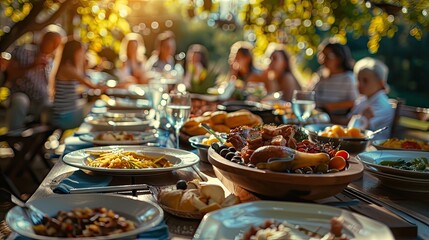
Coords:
220,121
203,199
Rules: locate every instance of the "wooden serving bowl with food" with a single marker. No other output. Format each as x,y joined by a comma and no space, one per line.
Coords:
267,164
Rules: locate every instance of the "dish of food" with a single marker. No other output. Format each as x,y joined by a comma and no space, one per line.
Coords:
125,103
144,215
381,160
193,199
401,144
232,222
118,137
178,158
120,159
400,182
103,123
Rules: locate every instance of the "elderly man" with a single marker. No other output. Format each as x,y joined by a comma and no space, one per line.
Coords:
28,73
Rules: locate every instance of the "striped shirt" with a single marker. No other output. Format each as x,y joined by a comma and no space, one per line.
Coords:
66,96
337,88
34,82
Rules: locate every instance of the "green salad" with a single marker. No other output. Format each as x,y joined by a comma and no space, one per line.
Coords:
417,164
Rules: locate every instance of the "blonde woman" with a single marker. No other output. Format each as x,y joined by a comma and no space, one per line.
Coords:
132,59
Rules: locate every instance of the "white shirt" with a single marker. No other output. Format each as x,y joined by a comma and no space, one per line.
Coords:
383,112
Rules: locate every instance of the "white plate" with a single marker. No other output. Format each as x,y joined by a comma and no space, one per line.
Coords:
139,138
104,123
374,158
229,222
401,183
180,159
196,141
377,144
145,214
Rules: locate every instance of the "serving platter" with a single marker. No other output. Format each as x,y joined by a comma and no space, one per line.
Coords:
399,182
378,145
138,138
145,214
374,158
179,158
229,222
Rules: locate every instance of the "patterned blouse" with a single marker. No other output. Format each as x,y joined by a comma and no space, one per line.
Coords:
34,83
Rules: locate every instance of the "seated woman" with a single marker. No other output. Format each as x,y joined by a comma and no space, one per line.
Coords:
279,76
242,69
374,104
132,60
196,69
66,111
335,84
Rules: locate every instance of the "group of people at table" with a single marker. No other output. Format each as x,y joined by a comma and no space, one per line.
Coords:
46,75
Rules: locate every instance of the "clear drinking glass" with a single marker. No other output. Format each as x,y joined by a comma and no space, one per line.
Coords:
156,89
178,110
303,104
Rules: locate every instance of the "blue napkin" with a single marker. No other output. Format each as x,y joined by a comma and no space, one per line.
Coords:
79,179
159,232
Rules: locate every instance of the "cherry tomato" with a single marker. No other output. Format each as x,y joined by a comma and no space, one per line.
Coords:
337,162
410,145
343,153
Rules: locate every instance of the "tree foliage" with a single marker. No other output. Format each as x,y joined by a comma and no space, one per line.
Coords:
97,23
301,24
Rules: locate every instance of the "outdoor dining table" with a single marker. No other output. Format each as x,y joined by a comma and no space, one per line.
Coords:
405,213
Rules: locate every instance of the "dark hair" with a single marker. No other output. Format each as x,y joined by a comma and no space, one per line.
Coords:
69,50
198,48
163,37
341,51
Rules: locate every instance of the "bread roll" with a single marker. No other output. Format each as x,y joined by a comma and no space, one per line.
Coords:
194,131
186,202
213,192
239,118
191,123
230,200
218,117
210,208
221,128
171,198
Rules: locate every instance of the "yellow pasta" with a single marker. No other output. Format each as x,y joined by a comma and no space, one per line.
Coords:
405,144
127,160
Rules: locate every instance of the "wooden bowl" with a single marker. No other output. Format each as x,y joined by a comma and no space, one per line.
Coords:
281,186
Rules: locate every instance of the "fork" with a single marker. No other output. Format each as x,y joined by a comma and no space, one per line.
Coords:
34,214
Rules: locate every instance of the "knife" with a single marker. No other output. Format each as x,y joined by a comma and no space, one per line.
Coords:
119,188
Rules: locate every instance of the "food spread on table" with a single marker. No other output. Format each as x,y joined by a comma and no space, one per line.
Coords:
405,144
84,222
196,197
220,121
126,160
416,164
284,230
115,136
257,147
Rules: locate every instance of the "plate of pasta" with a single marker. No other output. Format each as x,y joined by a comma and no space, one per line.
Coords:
130,160
401,144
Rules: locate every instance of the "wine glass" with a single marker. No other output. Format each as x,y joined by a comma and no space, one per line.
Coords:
178,109
303,104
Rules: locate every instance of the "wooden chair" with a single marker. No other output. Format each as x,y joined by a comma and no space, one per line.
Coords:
396,105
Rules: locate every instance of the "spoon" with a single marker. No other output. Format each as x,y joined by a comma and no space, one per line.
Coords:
371,135
212,132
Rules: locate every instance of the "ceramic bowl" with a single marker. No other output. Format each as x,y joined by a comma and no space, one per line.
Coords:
195,142
281,186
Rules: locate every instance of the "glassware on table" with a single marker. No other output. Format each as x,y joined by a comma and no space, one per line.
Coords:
156,89
358,121
178,109
303,104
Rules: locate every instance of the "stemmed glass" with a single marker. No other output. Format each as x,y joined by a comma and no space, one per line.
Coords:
178,109
303,104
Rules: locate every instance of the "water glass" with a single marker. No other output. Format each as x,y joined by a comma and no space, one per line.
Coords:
178,109
303,104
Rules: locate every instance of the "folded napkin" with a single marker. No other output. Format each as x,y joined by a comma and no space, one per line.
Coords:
79,179
159,232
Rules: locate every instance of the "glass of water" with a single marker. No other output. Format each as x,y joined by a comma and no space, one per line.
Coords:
303,104
178,109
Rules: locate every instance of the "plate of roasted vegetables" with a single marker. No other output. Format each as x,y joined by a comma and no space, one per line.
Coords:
130,160
281,163
100,216
395,162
